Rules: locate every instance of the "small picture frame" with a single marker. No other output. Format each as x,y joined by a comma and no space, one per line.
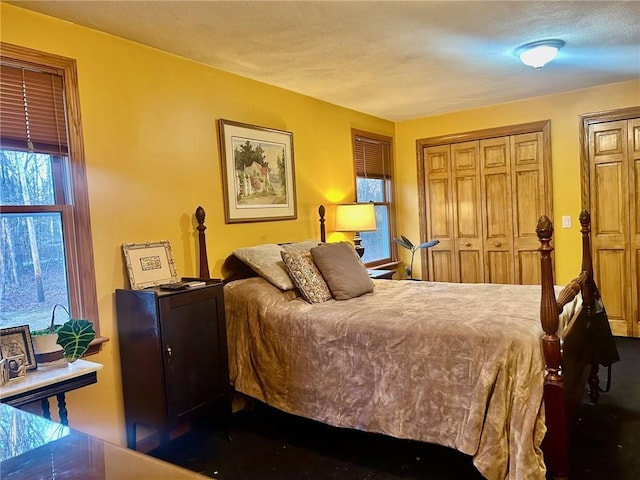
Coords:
149,264
258,177
15,341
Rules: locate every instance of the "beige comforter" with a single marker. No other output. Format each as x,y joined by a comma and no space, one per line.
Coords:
459,365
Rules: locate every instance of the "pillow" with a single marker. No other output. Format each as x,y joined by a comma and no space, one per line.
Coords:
267,262
342,269
305,275
305,245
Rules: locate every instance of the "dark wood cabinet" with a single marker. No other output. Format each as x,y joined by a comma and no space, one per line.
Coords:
173,353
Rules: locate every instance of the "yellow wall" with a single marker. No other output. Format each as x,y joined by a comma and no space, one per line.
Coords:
149,122
152,157
563,110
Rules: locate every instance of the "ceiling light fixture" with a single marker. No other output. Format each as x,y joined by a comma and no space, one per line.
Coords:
538,54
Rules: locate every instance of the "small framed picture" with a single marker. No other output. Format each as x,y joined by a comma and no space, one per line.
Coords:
149,264
15,341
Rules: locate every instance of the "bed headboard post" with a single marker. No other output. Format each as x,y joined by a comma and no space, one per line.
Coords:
587,262
556,440
204,262
323,233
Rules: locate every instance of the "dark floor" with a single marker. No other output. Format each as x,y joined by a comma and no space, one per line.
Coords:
271,445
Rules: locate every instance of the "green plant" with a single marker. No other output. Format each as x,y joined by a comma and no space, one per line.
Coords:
404,242
74,336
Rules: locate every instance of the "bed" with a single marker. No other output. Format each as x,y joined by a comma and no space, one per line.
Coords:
494,371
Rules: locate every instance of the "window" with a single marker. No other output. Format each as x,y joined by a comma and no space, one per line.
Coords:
372,158
46,255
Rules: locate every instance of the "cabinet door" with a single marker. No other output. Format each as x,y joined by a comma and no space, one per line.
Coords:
194,353
495,167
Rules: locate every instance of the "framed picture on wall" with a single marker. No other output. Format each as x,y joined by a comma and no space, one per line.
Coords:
258,177
149,264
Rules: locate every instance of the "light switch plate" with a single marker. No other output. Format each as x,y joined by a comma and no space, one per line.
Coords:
566,221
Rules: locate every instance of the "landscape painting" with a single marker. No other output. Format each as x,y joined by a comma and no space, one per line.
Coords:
258,173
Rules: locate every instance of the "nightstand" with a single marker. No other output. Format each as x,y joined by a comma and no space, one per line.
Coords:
381,274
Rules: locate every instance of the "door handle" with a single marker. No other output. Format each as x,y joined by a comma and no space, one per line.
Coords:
498,244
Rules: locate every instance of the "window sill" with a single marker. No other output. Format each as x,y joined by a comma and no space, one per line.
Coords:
96,345
384,266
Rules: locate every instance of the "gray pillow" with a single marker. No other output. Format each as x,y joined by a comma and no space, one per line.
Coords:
342,269
267,262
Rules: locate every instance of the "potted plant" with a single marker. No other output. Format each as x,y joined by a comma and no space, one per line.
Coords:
408,244
45,341
72,338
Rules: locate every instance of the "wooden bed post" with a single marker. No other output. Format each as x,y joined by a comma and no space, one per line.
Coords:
204,262
556,442
589,296
323,233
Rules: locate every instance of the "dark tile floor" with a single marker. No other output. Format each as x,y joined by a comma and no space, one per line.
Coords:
270,445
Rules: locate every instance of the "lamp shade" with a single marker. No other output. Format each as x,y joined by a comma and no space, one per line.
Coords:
355,217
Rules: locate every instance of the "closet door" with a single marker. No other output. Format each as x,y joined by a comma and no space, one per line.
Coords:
495,161
437,168
530,192
610,215
634,237
467,212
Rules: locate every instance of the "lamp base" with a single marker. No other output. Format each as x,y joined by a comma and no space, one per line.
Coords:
356,244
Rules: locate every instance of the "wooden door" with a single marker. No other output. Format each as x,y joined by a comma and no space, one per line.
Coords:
530,191
634,237
495,168
467,219
614,208
437,170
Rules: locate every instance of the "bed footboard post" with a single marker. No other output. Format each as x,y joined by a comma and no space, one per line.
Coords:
556,442
588,295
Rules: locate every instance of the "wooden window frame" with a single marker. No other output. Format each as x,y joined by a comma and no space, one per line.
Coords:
392,261
75,206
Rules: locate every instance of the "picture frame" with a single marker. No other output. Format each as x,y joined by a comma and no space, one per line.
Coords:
262,190
149,264
16,341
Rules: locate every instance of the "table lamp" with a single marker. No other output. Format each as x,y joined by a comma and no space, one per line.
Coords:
356,217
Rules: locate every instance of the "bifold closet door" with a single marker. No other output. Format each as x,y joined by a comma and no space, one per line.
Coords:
614,164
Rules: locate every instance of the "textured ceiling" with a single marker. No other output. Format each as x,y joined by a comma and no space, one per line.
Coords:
394,59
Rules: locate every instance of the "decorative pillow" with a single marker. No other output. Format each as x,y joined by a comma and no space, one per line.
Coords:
305,275
267,262
342,269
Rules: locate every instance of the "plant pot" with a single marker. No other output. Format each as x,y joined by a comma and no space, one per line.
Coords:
45,347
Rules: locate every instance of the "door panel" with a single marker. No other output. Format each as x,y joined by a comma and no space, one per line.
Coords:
441,258
612,214
634,237
466,213
529,197
610,275
528,268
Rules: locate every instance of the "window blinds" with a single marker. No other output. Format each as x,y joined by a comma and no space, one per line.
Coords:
372,158
32,114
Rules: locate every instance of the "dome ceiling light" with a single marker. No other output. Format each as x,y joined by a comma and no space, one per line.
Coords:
538,54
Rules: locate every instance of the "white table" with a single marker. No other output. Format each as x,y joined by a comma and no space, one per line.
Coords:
49,379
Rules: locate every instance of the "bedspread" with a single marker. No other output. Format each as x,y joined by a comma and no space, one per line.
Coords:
459,365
